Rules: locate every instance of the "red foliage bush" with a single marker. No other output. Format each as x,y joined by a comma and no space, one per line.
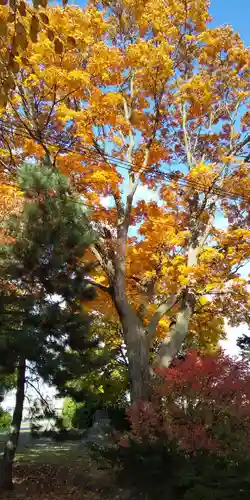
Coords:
203,403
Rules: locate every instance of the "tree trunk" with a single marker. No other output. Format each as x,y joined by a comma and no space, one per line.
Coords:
11,444
138,359
136,340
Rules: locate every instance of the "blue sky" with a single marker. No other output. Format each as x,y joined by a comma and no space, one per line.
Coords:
234,12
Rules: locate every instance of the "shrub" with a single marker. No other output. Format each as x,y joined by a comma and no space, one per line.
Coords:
68,412
83,416
205,404
5,419
192,441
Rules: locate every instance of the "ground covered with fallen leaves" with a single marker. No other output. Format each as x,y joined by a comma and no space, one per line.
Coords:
51,481
63,471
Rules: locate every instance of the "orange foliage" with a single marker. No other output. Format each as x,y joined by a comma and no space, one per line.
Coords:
115,95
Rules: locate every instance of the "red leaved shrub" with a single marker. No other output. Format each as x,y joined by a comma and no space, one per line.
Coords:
203,403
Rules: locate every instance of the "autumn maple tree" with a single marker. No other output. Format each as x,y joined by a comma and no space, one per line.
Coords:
128,95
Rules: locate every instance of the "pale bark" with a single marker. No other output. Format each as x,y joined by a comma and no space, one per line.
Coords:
134,337
172,343
175,338
6,479
159,313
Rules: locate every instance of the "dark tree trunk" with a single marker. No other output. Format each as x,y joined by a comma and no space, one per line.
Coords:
6,482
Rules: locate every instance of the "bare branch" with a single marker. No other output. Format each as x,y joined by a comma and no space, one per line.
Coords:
104,288
44,401
186,137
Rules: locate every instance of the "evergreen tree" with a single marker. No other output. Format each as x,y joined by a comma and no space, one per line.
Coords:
243,343
43,287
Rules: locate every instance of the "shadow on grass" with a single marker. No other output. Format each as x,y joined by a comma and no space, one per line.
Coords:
42,451
53,453
24,441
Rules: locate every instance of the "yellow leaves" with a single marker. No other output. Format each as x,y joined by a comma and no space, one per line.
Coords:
209,254
210,287
78,57
148,58
183,280
203,301
79,76
32,80
242,96
198,91
117,140
10,199
113,99
105,63
65,114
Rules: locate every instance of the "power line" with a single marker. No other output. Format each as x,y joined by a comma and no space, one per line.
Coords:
181,181
128,166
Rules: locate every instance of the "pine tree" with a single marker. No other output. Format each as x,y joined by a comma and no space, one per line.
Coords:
43,288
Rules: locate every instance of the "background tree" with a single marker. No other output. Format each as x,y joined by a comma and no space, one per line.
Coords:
105,386
147,95
45,283
243,343
20,22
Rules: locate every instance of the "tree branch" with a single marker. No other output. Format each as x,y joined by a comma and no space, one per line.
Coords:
186,138
44,401
173,341
104,288
159,313
103,260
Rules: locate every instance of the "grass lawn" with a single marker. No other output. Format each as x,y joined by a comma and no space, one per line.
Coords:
3,435
52,453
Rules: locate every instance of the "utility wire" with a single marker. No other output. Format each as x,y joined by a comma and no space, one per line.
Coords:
129,167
